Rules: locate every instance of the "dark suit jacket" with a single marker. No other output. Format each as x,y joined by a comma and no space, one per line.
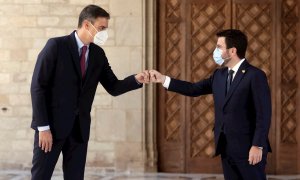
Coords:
245,110
58,92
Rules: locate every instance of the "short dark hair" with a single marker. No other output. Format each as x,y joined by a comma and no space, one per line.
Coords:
235,38
91,12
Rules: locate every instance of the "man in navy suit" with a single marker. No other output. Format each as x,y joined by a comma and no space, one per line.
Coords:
64,82
242,107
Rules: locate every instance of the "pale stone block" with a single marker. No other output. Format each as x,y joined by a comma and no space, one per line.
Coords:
4,55
27,1
111,25
29,133
119,60
18,55
4,21
23,21
80,2
111,125
10,31
121,102
6,144
134,129
13,157
39,43
4,78
129,31
48,21
101,146
21,78
15,44
136,59
24,89
12,89
69,22
33,54
100,90
5,134
27,67
37,9
20,134
55,32
105,159
78,9
10,67
55,1
126,153
19,99
5,1
101,2
21,145
10,9
3,99
23,111
111,38
126,8
102,101
91,157
63,10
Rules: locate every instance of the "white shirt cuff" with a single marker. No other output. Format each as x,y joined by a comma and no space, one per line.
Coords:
43,128
167,82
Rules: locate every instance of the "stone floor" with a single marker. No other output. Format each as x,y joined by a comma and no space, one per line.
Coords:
25,175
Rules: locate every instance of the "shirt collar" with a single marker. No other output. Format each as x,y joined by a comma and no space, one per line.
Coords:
237,66
79,42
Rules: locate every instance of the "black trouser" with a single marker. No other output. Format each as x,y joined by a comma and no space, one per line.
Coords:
235,153
74,152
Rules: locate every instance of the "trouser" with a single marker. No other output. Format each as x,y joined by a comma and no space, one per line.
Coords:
74,151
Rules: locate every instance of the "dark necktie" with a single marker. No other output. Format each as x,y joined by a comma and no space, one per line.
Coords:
82,60
229,80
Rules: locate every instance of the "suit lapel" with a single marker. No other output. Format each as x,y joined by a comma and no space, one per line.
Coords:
75,55
238,77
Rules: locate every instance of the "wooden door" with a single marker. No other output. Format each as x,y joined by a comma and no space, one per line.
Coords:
186,40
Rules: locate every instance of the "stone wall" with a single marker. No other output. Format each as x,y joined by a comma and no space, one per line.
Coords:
117,142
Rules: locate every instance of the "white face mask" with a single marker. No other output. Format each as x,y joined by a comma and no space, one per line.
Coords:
217,55
100,37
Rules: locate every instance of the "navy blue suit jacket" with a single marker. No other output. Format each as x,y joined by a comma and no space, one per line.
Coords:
58,92
245,110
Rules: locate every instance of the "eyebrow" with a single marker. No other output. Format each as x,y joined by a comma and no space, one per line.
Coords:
103,27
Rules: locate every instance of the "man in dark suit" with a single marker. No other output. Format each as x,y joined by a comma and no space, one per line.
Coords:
242,107
64,82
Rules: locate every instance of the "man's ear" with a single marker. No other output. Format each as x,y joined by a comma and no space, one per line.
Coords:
234,50
85,24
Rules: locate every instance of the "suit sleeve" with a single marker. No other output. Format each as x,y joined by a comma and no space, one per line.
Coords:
41,81
191,89
113,85
262,102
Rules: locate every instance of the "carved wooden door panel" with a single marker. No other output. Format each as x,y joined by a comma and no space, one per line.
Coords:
186,40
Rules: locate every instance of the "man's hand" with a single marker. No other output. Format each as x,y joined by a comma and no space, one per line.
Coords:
157,77
255,155
45,140
143,77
